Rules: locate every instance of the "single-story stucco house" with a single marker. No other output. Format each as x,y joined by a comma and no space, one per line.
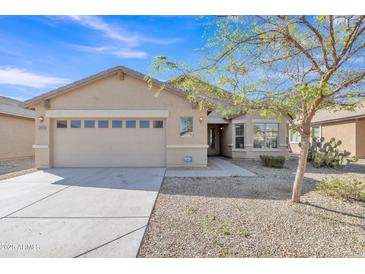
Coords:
114,119
16,129
347,126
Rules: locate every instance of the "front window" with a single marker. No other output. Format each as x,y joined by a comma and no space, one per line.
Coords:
294,136
240,136
316,133
265,135
186,126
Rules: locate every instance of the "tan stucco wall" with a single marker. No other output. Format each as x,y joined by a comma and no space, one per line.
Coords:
344,131
129,94
360,139
17,137
226,140
249,151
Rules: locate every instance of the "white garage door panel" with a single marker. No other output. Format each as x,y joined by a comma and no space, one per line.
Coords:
109,147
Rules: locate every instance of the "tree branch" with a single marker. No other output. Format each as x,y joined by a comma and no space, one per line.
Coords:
320,38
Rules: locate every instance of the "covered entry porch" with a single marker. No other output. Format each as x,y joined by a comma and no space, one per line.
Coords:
219,136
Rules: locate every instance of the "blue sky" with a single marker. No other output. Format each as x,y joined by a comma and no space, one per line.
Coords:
40,53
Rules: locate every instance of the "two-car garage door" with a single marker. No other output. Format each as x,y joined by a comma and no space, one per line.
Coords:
108,142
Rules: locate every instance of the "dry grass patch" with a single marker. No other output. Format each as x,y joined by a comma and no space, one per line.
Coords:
343,188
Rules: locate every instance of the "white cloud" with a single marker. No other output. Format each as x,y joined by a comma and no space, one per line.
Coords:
118,33
119,52
21,77
110,31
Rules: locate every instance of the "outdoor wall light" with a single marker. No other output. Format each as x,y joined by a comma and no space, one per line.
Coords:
40,118
200,119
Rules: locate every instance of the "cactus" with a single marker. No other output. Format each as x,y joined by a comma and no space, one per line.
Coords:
327,154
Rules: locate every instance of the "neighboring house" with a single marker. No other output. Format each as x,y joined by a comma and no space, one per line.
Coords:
113,119
16,129
347,126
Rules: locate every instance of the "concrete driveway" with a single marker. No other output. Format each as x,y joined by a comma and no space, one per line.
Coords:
77,212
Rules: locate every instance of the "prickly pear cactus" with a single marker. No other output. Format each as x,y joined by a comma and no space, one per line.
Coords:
327,154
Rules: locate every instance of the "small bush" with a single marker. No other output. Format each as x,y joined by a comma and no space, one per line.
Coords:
244,232
272,161
344,188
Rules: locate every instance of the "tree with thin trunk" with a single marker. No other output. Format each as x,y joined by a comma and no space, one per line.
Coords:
283,66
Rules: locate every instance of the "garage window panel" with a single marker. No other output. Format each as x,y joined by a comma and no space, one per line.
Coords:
61,123
158,124
103,124
75,123
117,124
130,124
89,124
144,124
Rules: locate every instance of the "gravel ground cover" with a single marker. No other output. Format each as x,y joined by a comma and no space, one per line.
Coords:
253,216
15,167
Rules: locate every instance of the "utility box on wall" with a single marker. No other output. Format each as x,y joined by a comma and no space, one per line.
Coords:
188,159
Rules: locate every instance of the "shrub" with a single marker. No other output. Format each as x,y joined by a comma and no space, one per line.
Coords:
344,188
327,154
272,161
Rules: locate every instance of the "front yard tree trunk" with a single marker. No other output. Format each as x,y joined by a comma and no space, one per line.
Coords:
302,163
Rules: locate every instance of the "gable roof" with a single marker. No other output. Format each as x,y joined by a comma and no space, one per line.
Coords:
9,106
98,76
326,116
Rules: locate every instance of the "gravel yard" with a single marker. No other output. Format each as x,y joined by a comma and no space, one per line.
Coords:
253,216
15,167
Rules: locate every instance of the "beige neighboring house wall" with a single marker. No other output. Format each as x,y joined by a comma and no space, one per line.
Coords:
118,93
347,126
16,130
360,138
344,131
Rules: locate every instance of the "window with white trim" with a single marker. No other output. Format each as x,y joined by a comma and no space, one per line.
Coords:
239,136
186,126
316,132
294,136
266,135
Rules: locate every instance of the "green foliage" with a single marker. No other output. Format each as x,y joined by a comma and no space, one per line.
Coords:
244,232
343,188
192,210
211,218
328,154
272,161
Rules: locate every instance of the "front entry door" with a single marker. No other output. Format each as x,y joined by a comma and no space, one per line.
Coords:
213,140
